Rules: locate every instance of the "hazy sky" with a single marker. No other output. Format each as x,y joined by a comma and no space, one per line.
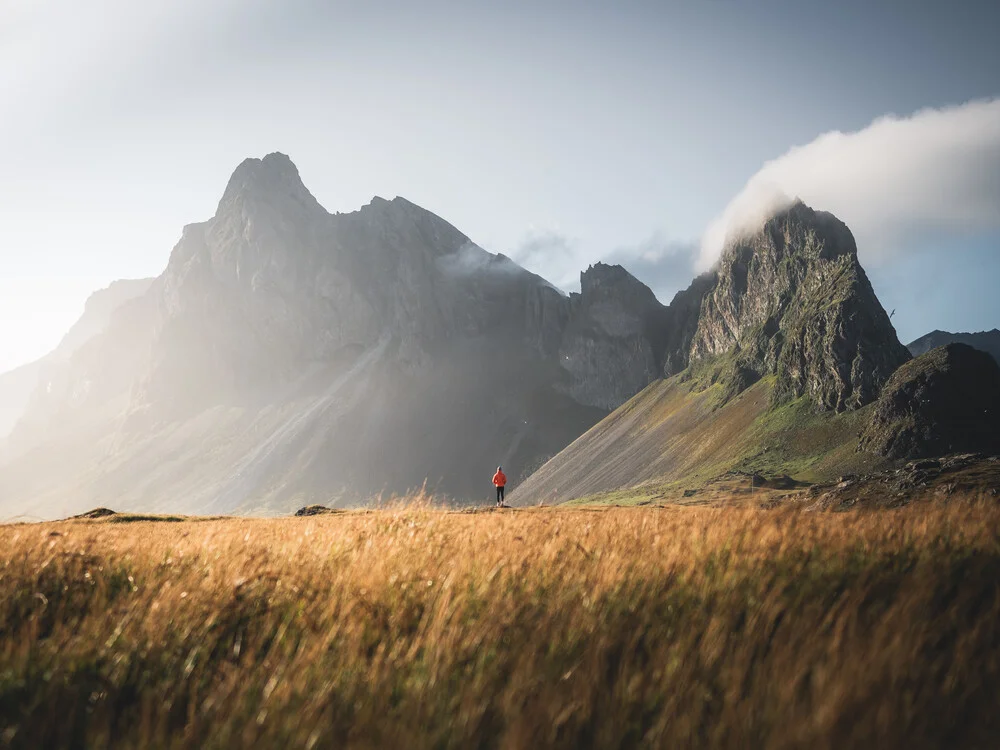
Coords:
559,133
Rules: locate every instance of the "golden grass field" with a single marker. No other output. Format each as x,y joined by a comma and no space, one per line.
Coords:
413,627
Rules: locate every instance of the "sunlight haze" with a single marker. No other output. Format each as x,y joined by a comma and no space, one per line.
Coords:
559,134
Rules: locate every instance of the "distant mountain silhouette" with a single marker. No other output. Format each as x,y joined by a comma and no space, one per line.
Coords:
984,341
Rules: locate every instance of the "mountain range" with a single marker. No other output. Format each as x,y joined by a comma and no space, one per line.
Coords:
984,341
287,355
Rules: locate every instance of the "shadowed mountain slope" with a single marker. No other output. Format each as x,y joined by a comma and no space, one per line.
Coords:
945,401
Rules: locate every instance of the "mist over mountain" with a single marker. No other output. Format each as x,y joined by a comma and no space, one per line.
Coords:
17,386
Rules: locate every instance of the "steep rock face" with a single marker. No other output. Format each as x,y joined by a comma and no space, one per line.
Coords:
613,343
287,354
945,401
984,341
682,319
273,282
793,301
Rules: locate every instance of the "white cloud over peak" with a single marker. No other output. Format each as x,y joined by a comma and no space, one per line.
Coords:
935,169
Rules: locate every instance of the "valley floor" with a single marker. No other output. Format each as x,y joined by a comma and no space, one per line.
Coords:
588,627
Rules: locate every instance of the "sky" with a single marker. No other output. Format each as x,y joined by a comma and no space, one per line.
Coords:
558,133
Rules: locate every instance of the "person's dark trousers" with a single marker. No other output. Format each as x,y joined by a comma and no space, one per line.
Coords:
499,495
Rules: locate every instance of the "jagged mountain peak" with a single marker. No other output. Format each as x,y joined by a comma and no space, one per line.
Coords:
273,180
832,237
382,347
399,216
792,300
794,230
603,279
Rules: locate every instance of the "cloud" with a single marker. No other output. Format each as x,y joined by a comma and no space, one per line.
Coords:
552,255
470,260
938,169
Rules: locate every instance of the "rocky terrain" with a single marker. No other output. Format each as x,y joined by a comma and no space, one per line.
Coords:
792,300
613,345
984,341
967,476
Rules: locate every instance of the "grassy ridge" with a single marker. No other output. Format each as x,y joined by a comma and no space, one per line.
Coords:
414,627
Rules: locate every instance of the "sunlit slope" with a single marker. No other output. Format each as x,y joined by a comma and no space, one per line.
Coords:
677,436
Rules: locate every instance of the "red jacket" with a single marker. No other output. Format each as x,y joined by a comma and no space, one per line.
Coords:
500,479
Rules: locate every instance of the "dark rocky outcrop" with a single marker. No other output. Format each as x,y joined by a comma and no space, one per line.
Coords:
316,510
97,513
984,341
946,401
793,301
969,476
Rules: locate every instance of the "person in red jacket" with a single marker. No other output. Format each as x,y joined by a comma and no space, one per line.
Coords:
499,481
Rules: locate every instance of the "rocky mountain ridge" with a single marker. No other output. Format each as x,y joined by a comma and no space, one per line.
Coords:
778,360
289,355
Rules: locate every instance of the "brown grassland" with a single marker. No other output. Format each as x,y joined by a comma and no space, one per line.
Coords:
413,627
